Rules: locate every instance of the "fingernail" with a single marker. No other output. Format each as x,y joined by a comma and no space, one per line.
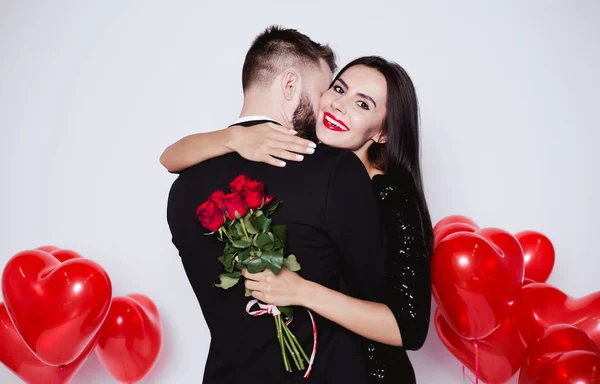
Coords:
310,150
300,157
282,164
293,132
312,145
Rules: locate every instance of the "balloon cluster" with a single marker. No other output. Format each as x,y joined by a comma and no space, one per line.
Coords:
58,308
497,315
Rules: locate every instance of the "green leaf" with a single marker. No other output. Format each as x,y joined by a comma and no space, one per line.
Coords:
266,225
235,231
273,260
261,222
228,260
228,280
244,255
258,213
280,232
291,263
248,293
255,265
251,225
241,244
273,207
229,249
264,241
285,311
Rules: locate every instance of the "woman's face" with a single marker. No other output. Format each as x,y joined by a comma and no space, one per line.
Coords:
351,112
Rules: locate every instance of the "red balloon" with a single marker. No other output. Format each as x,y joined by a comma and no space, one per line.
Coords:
451,228
540,305
476,277
539,255
452,219
56,308
15,355
63,255
130,338
500,354
48,248
563,354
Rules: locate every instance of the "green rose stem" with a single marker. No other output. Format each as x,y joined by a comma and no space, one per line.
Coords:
280,338
222,229
289,347
292,347
297,345
244,229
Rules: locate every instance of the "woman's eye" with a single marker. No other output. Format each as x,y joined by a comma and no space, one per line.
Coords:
363,105
338,89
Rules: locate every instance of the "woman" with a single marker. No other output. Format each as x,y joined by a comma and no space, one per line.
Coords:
371,108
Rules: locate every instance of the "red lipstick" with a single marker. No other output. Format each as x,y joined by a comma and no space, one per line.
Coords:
330,122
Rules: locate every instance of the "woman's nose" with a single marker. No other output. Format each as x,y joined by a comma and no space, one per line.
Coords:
338,104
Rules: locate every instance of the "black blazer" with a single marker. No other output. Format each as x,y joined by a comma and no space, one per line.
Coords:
335,231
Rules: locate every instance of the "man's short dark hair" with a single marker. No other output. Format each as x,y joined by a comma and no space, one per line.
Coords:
276,49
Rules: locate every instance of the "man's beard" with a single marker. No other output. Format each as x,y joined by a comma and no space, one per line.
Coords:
304,120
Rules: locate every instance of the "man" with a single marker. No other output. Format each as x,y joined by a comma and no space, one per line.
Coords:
329,208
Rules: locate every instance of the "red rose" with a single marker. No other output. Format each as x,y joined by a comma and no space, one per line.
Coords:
210,215
254,193
268,199
239,183
234,202
217,198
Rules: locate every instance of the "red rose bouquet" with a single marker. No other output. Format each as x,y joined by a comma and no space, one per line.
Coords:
241,219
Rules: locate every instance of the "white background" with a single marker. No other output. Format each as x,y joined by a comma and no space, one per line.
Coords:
92,92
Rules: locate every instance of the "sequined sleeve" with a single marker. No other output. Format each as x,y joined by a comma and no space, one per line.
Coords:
408,292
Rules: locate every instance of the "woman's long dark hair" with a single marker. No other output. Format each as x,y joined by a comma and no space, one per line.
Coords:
401,151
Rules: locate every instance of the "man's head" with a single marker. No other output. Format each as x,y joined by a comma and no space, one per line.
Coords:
292,71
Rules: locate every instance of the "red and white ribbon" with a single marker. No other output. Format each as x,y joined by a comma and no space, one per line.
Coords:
268,309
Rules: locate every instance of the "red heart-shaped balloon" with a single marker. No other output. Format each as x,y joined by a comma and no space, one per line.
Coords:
540,305
500,354
539,255
454,219
63,255
56,308
563,354
130,338
48,248
15,355
451,228
476,277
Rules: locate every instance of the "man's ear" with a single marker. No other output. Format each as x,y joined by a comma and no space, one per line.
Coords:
380,138
290,82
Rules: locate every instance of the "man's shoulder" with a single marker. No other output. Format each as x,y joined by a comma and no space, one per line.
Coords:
344,161
325,154
214,163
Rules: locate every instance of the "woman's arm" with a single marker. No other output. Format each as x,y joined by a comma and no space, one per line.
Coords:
404,321
375,321
266,143
357,233
408,292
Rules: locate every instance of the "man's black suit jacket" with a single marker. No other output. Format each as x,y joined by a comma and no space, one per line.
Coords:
334,230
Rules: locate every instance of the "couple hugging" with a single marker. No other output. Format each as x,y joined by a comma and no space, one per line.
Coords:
342,154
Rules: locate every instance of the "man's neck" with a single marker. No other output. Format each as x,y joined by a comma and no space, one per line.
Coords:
260,105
